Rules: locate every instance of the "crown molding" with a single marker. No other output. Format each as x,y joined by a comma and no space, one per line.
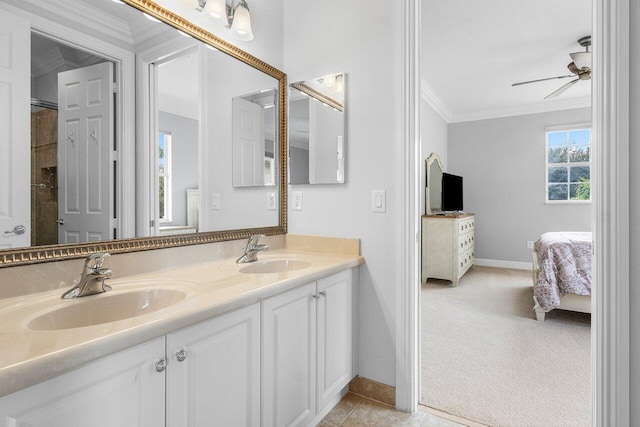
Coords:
86,14
521,110
427,94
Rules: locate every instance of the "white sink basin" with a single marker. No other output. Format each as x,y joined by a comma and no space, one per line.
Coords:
105,308
274,266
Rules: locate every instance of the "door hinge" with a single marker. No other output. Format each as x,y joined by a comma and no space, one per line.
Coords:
114,87
152,223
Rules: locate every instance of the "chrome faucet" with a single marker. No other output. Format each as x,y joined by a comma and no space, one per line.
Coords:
92,278
252,249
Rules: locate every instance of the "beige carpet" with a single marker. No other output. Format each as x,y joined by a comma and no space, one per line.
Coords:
486,358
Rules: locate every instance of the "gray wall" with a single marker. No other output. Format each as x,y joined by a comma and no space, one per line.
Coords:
503,165
184,166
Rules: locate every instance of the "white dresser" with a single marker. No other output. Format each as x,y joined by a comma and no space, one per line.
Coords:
447,246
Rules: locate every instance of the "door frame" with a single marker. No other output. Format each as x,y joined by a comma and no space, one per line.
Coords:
146,110
610,215
125,104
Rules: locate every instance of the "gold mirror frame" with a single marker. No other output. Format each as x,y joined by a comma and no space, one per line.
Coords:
32,255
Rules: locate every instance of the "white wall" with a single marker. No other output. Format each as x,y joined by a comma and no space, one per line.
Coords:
634,213
331,36
240,207
266,22
433,139
503,165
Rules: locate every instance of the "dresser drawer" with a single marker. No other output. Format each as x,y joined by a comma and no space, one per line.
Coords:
465,242
466,225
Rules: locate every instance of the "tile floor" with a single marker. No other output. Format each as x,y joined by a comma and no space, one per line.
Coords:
355,410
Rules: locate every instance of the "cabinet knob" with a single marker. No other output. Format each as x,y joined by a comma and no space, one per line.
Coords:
161,365
181,355
316,296
323,293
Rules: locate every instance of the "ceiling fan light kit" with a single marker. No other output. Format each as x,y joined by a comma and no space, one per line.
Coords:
580,66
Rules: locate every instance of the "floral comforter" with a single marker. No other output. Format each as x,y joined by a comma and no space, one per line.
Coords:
565,267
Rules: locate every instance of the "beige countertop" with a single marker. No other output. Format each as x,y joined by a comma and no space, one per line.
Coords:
29,357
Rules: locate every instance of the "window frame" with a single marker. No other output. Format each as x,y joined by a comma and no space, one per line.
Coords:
566,128
168,145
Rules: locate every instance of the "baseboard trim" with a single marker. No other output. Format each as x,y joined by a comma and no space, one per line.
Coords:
373,390
503,264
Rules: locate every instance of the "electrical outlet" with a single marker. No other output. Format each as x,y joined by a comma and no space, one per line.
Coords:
529,244
271,201
215,201
297,201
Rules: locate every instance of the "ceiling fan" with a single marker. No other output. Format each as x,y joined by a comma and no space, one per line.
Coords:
580,66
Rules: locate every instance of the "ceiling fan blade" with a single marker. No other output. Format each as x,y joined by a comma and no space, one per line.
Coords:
542,80
562,89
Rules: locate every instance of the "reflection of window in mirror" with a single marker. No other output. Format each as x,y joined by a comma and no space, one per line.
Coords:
164,176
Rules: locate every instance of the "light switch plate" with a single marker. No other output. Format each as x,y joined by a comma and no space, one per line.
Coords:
297,201
379,201
271,201
215,201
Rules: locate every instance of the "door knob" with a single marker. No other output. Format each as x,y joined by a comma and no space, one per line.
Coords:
161,365
181,355
18,229
60,221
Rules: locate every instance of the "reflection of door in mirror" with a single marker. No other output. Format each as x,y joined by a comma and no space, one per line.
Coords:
72,122
316,130
177,129
253,139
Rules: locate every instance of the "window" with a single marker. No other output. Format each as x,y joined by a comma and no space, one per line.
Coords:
568,173
164,176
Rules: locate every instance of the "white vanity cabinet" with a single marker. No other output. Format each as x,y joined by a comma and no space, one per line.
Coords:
124,389
213,377
284,361
307,350
447,246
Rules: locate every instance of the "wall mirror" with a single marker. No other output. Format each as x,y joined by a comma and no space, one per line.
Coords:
317,130
121,132
433,196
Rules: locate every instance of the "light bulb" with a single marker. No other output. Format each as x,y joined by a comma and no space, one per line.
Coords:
217,9
241,27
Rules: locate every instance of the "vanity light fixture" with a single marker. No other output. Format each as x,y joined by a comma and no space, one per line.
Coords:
235,17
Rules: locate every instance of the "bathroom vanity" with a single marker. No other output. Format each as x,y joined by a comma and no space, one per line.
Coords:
267,343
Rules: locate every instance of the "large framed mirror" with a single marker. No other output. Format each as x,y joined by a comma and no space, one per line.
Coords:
121,132
433,192
317,140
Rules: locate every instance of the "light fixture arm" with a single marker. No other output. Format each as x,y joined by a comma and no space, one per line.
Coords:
231,9
236,16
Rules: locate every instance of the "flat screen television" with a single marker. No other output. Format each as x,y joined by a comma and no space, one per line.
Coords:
451,192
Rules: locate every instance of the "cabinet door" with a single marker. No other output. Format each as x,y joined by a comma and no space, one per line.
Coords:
335,334
288,352
123,389
218,382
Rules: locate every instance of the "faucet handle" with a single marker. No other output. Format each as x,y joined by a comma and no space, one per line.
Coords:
255,238
95,261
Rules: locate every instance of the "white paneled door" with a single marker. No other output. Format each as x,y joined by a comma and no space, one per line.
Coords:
248,143
85,146
15,197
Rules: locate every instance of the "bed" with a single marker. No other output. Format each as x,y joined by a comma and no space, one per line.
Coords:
562,272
